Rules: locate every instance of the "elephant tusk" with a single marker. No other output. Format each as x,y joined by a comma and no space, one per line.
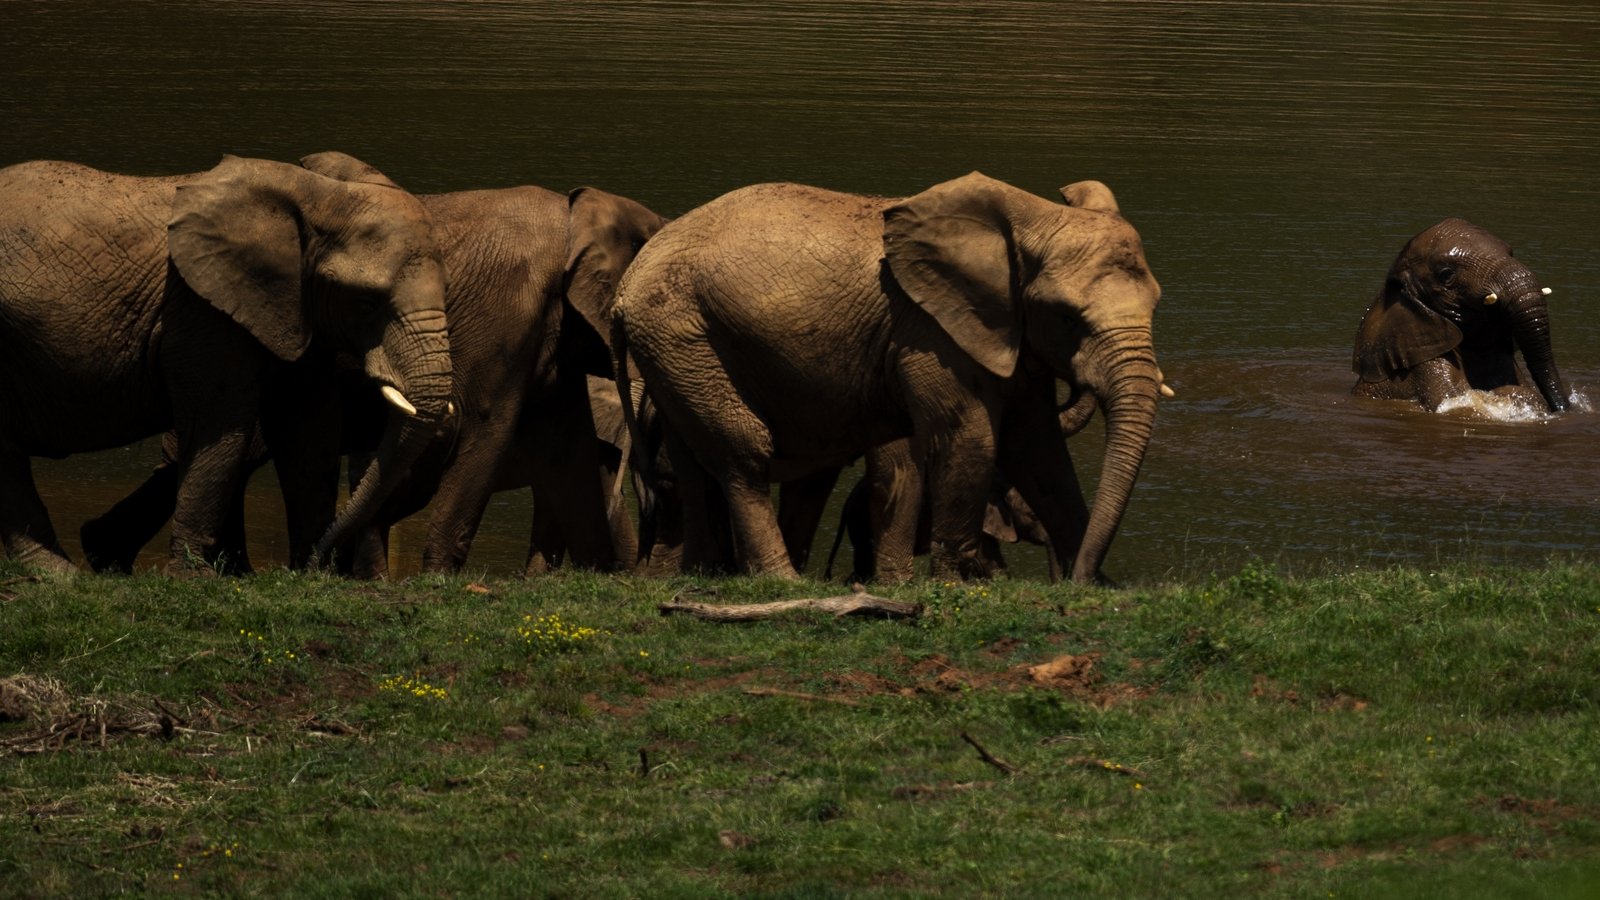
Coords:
1545,291
1161,381
398,399
1491,299
449,408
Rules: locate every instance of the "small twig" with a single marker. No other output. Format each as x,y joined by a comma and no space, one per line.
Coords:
861,604
176,719
1104,765
97,649
644,763
798,695
988,757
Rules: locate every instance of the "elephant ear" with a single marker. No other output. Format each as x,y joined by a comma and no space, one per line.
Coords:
997,522
235,239
1090,195
344,167
950,249
1399,331
604,234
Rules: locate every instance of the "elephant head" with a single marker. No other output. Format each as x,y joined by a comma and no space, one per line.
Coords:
295,257
1012,277
1456,288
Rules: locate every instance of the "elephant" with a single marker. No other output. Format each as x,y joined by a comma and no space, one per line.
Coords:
883,543
1453,311
527,267
784,330
517,260
202,304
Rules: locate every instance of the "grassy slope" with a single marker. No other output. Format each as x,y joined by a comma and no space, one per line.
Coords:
1402,733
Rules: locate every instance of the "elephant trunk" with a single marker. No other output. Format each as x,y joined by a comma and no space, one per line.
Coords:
1530,328
1129,405
412,364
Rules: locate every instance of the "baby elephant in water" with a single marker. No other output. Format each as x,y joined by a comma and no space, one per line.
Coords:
1453,311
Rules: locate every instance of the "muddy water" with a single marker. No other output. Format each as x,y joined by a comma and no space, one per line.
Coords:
1274,156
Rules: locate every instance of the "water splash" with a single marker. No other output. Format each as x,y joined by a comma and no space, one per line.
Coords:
1515,408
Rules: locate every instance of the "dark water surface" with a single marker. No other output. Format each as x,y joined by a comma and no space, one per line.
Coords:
1274,156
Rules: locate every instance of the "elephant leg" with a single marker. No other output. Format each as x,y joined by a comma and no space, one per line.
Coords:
989,551
233,544
370,561
1035,459
546,546
895,504
854,523
1437,380
213,467
757,538
661,532
24,522
459,503
801,504
624,539
112,541
959,470
300,422
366,555
570,482
701,515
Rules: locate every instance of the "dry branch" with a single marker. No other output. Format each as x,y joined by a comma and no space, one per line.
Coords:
861,604
988,757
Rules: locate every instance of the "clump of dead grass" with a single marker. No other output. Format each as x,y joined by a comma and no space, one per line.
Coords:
56,718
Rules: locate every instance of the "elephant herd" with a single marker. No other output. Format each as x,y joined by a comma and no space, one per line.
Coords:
450,346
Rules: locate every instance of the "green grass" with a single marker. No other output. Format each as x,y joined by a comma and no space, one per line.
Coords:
1398,733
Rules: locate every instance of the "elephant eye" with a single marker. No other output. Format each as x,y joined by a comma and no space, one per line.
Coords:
1447,274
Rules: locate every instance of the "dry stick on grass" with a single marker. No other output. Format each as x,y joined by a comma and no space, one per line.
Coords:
798,695
859,604
988,757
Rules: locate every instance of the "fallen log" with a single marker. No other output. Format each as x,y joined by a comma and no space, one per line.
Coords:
861,604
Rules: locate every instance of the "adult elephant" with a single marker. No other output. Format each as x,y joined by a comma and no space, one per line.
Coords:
784,330
529,269
1454,310
202,304
521,262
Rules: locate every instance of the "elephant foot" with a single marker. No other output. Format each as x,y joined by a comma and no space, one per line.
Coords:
783,571
189,566
960,565
103,550
47,564
894,575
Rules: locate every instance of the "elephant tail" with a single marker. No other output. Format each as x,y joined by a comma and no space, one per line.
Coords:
631,393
